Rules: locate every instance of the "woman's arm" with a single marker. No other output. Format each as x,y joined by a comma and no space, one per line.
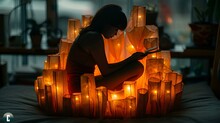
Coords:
98,52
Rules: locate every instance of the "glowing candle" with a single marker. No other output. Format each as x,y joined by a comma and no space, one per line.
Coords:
139,16
48,77
154,95
86,20
142,97
76,104
67,109
60,76
117,103
46,65
129,88
41,98
102,95
36,86
74,27
89,96
130,107
53,61
166,97
151,42
48,99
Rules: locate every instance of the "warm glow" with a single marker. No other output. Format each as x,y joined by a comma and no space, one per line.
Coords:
139,16
99,93
128,88
168,91
118,45
114,96
130,106
77,98
155,91
87,96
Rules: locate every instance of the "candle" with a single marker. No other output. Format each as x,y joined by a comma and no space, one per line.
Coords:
46,65
89,96
129,88
76,104
65,46
36,86
48,99
130,107
47,77
154,96
41,98
60,77
67,109
139,16
53,61
151,42
102,96
86,20
73,29
178,89
142,97
166,97
117,103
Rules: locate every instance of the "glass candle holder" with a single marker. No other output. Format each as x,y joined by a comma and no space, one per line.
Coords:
129,88
130,107
73,29
102,96
76,104
142,97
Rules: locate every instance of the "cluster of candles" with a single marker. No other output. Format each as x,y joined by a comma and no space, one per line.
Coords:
157,92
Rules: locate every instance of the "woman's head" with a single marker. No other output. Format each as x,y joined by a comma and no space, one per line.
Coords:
108,20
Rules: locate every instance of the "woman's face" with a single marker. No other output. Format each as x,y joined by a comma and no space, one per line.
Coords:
109,31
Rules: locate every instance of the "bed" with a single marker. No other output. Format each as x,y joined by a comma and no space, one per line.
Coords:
198,105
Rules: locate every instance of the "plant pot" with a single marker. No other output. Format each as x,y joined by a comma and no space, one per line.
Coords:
36,41
203,35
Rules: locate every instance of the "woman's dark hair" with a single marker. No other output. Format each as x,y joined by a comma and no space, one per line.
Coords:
109,14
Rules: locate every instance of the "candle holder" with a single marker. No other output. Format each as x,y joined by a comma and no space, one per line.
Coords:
76,104
142,98
129,88
73,29
86,20
130,107
102,96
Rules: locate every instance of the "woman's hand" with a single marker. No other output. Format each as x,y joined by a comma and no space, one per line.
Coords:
137,56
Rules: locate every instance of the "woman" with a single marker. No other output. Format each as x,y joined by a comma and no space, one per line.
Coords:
88,51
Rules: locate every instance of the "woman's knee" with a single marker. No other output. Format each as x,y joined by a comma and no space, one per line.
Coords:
138,67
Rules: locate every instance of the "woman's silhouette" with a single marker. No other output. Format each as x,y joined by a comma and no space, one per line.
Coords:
88,51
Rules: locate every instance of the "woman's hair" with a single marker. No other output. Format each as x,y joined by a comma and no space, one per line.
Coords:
108,15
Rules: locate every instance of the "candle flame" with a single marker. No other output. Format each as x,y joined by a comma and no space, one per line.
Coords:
118,45
168,91
129,88
130,106
87,96
76,98
155,91
114,96
139,16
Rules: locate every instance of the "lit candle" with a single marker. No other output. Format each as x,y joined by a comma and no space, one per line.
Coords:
151,42
89,96
67,109
36,86
142,98
166,97
130,107
60,76
139,16
102,95
154,95
86,20
53,61
129,88
48,99
117,103
65,46
47,77
73,29
76,104
46,65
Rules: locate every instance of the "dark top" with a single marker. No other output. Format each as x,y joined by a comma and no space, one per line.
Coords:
75,68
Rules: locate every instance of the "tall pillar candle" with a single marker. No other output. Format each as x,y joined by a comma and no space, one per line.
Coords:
102,96
142,97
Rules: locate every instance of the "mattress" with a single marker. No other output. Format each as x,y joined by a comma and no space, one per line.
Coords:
198,105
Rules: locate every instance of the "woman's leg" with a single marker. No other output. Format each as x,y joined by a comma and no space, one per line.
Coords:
115,80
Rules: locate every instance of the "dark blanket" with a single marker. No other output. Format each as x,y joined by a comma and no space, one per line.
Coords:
198,105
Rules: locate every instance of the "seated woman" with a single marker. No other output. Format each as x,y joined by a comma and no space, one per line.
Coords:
88,51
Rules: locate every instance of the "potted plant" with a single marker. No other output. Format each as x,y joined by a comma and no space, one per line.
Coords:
35,31
204,30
